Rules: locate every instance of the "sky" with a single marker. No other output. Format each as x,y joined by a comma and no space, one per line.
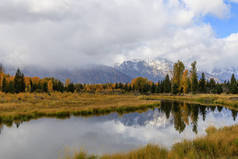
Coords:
73,33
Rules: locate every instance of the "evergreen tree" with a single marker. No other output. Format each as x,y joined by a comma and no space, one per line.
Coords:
31,85
11,88
45,87
4,85
153,88
202,84
70,88
219,89
19,82
212,85
233,85
194,78
175,89
167,84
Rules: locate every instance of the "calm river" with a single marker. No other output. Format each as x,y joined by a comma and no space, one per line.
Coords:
49,138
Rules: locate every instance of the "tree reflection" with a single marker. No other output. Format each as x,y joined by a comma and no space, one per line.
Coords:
182,114
1,128
234,114
188,114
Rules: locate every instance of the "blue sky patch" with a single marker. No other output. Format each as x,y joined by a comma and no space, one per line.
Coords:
226,26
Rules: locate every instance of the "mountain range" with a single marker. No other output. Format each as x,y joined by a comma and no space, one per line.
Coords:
124,72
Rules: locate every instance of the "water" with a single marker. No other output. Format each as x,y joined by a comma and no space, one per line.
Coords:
50,138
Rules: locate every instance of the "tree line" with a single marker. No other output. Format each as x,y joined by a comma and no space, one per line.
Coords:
182,81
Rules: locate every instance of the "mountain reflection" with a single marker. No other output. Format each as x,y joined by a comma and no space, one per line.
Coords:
185,114
178,114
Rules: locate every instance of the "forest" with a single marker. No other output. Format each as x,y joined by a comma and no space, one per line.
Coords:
182,81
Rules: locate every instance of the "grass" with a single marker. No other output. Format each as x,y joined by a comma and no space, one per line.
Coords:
226,100
26,106
217,144
222,143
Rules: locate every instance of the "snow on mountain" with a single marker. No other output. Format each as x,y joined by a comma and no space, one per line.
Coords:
154,70
225,73
150,118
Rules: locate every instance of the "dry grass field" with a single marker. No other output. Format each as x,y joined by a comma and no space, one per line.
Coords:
25,106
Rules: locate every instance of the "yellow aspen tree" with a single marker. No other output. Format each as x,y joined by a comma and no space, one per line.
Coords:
50,86
27,83
67,82
185,81
1,79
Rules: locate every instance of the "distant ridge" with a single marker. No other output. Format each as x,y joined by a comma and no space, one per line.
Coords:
154,70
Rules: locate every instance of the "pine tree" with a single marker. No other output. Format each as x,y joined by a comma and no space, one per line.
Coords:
212,85
44,87
70,87
167,84
11,88
202,84
175,89
19,82
194,78
233,85
31,85
153,88
4,85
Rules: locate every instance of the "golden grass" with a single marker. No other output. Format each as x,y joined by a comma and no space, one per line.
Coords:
25,106
218,144
226,100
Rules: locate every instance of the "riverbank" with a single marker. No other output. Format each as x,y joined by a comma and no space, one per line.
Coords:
26,106
226,100
218,143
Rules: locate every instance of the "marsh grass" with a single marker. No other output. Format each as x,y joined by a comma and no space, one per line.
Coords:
226,100
26,106
217,144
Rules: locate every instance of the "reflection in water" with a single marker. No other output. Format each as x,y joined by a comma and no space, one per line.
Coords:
171,123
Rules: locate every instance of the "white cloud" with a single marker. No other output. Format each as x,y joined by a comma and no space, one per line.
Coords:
69,33
235,1
203,7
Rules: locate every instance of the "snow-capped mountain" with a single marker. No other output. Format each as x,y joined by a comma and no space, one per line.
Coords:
225,73
154,70
151,118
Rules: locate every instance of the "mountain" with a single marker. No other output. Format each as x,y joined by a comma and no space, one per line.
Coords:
151,118
154,70
91,74
225,73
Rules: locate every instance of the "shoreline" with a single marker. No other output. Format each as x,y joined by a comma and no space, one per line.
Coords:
27,106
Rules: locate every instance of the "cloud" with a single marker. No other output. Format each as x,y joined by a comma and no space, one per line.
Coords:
70,33
235,1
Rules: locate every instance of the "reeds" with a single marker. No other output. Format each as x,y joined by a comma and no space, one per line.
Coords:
26,106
